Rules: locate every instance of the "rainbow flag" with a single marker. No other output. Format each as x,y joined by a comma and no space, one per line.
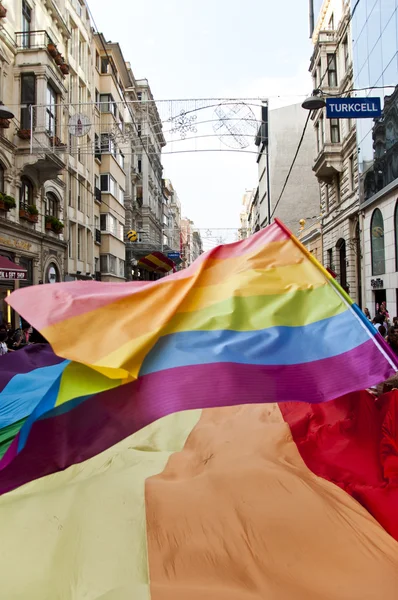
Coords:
252,322
175,441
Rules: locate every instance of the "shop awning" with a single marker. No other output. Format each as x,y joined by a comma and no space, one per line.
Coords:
157,262
10,270
332,273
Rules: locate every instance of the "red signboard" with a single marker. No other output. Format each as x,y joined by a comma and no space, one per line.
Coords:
6,274
10,271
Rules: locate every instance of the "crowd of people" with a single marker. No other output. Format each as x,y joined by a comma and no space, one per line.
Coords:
12,340
387,328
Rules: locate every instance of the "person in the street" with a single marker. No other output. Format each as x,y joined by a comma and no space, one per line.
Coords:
367,314
379,320
3,345
21,337
383,331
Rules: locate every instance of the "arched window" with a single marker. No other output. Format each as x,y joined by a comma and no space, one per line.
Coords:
1,179
52,204
26,192
377,243
396,234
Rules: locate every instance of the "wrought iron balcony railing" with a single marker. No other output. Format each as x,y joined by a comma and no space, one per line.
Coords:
32,40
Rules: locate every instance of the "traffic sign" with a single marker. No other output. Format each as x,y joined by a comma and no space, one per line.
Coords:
173,255
353,108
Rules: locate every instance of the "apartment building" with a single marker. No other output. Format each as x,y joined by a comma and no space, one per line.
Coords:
79,179
336,164
34,38
111,79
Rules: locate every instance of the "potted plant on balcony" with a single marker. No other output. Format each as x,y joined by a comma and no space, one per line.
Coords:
3,11
7,202
33,213
54,224
52,49
59,59
64,68
4,123
23,213
24,134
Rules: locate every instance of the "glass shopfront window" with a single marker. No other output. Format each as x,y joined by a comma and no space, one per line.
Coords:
375,50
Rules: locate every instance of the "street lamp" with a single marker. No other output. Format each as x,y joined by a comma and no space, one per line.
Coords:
5,113
315,101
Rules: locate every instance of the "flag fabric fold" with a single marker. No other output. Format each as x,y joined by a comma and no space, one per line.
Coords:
255,321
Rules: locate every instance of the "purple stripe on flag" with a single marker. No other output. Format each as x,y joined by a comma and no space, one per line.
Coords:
101,421
25,360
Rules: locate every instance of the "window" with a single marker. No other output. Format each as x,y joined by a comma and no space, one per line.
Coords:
97,147
103,222
139,96
71,183
346,53
334,131
104,263
104,65
139,163
322,122
28,98
70,240
26,191
120,159
330,258
82,53
97,60
352,172
396,235
112,264
107,104
51,205
79,243
121,267
108,145
109,224
327,198
51,111
377,243
121,196
26,23
108,184
332,70
1,179
337,188
97,99
80,197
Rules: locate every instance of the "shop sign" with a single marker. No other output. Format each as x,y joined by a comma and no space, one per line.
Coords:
15,243
353,108
11,275
377,283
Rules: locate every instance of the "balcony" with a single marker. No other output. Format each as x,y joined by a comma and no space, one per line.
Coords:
33,40
98,236
329,162
36,47
97,195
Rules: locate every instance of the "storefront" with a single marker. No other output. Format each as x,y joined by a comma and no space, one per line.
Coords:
11,276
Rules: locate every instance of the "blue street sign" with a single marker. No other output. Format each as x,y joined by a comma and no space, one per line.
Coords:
173,255
353,108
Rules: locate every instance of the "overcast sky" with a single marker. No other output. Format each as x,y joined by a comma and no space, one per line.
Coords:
212,48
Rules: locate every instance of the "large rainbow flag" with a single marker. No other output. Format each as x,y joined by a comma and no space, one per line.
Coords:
130,469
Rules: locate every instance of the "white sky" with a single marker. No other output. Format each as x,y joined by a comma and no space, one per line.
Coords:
213,48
